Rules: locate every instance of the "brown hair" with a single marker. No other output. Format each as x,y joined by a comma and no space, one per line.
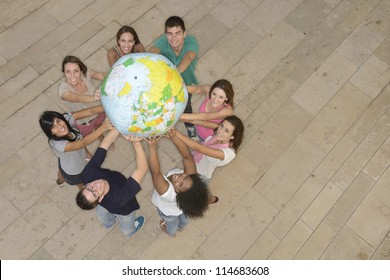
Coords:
127,29
227,87
76,60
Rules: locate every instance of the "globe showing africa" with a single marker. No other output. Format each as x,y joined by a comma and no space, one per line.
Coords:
143,94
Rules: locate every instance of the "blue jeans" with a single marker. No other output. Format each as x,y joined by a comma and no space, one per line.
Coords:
108,220
174,222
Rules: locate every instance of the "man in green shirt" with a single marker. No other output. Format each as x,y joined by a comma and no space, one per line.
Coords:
182,50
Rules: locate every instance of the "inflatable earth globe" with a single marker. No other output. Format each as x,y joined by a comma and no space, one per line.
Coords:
143,94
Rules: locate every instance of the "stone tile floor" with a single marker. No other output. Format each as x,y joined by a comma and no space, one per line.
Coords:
311,180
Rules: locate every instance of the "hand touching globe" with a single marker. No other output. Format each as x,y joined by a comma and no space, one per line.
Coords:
143,95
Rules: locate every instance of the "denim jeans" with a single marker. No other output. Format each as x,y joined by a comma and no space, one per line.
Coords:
174,222
108,220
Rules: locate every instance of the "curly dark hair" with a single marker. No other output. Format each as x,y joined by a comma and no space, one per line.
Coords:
83,203
194,202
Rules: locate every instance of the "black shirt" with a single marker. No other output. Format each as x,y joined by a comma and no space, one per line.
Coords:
120,199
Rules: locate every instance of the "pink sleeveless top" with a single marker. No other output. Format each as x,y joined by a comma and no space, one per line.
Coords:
202,131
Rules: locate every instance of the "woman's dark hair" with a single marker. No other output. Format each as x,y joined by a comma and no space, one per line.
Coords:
76,60
83,203
127,29
227,87
238,132
194,202
46,122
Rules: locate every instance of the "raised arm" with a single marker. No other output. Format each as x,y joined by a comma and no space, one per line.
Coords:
207,124
139,48
154,49
140,157
88,112
109,139
202,89
221,114
97,75
82,143
188,161
160,184
186,61
215,153
78,97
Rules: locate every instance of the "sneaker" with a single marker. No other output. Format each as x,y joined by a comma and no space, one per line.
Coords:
192,133
139,222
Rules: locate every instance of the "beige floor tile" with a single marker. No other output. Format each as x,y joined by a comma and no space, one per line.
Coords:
359,45
336,117
39,20
8,213
246,74
371,219
372,77
293,241
208,32
383,251
183,246
370,116
37,52
347,245
252,214
378,21
323,84
267,15
349,201
63,10
211,67
13,11
41,254
31,230
317,243
295,207
263,246
77,237
9,168
89,12
276,134
382,52
334,159
231,12
241,175
17,83
379,162
27,95
202,9
285,177
33,149
150,25
236,43
307,15
274,47
30,184
321,205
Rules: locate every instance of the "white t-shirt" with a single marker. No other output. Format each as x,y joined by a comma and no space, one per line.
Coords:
167,201
207,165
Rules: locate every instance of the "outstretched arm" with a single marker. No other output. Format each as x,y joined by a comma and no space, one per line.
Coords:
82,143
221,114
215,153
159,182
88,112
186,61
188,161
140,157
97,75
109,139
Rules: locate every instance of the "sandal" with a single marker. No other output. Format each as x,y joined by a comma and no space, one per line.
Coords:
213,199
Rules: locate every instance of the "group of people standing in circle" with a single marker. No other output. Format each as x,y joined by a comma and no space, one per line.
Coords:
214,137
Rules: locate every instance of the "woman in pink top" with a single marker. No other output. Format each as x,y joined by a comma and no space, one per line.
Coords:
217,106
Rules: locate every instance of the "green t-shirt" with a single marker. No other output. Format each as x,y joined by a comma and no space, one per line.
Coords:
190,44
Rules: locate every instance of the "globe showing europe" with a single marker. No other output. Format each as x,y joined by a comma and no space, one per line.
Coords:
143,94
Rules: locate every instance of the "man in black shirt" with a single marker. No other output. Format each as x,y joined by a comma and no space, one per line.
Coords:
113,195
